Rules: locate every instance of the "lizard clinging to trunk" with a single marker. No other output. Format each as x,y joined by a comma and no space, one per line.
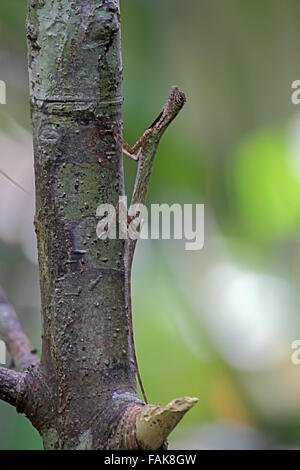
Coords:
147,148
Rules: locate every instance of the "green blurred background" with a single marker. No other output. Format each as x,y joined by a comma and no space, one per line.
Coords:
217,323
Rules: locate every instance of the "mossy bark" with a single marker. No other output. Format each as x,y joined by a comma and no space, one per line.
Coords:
86,379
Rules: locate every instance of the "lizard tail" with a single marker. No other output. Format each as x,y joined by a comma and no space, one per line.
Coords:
136,365
131,247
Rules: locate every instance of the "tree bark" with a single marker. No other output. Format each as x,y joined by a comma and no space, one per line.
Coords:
82,394
76,74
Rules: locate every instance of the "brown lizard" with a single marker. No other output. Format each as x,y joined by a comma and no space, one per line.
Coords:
147,147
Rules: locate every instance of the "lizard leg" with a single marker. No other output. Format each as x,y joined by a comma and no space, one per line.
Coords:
126,146
127,149
130,155
136,146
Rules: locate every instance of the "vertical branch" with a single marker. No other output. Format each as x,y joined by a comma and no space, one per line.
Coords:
75,86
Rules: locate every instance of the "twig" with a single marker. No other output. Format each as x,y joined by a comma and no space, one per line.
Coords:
14,336
12,386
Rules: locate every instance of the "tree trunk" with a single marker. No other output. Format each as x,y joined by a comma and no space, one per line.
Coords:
83,394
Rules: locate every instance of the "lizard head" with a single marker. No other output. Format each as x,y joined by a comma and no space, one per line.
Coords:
175,102
176,99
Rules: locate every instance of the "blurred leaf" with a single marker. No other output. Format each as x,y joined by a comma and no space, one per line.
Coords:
265,193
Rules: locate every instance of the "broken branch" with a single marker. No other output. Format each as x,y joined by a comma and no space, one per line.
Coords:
12,386
155,422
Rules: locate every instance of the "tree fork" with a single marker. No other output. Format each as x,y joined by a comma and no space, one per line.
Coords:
82,394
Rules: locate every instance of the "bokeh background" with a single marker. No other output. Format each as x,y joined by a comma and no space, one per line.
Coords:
216,323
